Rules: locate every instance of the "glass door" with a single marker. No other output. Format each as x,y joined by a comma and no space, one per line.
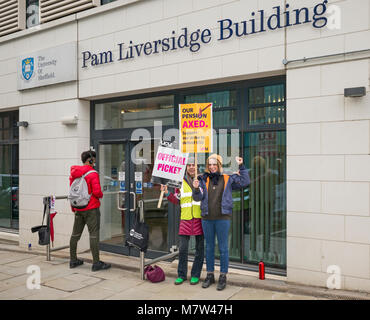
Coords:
125,170
115,204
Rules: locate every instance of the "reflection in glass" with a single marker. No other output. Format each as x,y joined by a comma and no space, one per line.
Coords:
111,163
267,94
267,115
6,190
156,218
137,113
220,100
9,170
265,199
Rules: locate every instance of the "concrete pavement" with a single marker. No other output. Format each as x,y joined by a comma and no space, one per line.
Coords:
122,281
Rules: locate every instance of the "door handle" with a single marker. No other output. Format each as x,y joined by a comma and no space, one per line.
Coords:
134,201
118,193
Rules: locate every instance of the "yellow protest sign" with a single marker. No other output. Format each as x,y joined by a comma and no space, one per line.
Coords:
195,127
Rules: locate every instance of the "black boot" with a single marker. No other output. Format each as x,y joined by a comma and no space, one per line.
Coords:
100,266
210,279
221,282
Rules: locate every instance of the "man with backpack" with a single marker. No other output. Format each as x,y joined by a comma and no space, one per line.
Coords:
84,195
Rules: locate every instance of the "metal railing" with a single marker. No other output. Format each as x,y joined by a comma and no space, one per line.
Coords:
47,201
174,252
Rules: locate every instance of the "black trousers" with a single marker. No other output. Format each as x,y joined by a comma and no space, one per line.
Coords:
196,269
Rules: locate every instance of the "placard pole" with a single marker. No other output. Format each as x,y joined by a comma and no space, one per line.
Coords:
160,200
196,165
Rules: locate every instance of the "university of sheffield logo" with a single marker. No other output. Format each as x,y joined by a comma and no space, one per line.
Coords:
27,68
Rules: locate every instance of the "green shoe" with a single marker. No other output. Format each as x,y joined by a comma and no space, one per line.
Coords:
179,281
194,280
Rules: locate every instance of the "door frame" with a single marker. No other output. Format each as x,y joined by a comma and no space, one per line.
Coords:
171,227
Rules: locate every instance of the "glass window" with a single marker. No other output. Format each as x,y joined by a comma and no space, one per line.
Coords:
265,198
5,186
267,115
225,112
106,1
32,13
137,113
267,94
266,105
5,127
9,169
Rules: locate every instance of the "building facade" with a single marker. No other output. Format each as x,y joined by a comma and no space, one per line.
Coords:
289,82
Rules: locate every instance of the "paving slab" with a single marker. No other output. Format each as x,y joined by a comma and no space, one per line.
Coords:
46,293
84,279
10,257
13,271
4,276
35,260
211,293
184,291
156,287
13,282
119,285
136,293
113,273
65,284
17,292
90,293
259,294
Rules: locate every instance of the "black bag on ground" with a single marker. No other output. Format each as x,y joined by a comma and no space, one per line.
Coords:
139,234
43,230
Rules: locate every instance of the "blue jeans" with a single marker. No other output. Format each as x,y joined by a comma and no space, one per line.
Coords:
211,229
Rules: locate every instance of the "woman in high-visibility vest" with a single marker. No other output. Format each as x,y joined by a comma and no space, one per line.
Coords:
190,225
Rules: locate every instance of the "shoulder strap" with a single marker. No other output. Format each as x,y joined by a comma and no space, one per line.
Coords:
87,173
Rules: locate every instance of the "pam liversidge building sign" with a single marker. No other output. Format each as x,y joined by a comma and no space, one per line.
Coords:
49,66
258,23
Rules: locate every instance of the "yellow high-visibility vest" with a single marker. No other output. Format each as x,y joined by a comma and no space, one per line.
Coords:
189,208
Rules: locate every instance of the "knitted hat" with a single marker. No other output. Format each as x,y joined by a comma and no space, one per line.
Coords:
219,162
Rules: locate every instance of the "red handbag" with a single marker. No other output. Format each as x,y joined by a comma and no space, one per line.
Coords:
154,274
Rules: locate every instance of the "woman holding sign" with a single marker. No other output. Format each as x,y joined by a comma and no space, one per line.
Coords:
190,225
214,190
